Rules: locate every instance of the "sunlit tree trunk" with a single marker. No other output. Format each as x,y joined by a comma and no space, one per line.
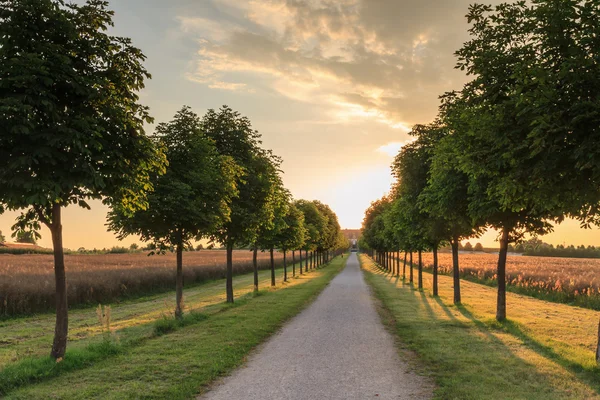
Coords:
501,304
435,270
293,263
255,267
61,329
179,278
306,261
455,271
284,265
272,267
598,346
404,266
420,270
229,277
411,275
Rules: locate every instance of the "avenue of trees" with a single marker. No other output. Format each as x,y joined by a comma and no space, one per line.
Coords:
72,129
517,149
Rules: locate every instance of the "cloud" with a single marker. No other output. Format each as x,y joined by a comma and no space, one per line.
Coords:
381,60
393,148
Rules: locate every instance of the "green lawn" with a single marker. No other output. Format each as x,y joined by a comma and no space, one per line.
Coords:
141,362
544,351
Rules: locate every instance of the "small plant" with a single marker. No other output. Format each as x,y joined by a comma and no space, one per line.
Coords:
104,315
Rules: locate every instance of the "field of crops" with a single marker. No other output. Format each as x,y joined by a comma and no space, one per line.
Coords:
567,280
27,281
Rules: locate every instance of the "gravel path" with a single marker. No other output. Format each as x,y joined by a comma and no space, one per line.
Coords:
335,349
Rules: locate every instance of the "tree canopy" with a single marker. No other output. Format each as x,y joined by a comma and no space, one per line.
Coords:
191,200
72,127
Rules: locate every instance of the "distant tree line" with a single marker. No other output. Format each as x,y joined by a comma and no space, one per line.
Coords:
536,247
516,149
73,129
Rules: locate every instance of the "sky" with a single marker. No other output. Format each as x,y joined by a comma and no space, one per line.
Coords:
333,86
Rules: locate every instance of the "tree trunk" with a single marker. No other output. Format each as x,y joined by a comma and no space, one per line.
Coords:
598,346
420,270
272,267
501,305
404,266
306,261
411,280
312,260
293,263
255,267
61,329
284,265
456,271
398,263
179,279
435,270
229,277
300,253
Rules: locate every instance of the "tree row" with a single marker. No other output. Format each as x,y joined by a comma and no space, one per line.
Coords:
72,129
517,149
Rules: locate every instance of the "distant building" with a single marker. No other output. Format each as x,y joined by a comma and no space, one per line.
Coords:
352,235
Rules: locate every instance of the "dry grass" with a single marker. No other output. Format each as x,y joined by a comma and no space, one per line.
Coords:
27,281
569,280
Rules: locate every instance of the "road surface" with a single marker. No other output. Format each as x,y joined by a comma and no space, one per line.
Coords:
335,349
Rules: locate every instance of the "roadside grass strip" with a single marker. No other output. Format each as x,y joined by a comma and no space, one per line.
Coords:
543,351
177,360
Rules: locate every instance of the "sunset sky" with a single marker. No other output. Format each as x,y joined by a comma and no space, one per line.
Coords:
333,86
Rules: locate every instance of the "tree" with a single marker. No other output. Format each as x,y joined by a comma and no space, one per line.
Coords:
268,235
330,233
478,247
446,197
2,238
292,235
541,59
373,227
513,187
411,168
234,137
28,237
190,201
468,247
315,224
72,127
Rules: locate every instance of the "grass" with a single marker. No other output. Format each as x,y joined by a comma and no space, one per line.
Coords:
544,351
171,359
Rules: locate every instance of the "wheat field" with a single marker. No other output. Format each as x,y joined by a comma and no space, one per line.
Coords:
27,281
564,279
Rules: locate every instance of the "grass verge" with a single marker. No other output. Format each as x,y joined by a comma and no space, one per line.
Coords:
182,361
544,351
30,337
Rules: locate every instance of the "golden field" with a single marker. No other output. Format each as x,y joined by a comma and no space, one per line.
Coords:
27,281
573,280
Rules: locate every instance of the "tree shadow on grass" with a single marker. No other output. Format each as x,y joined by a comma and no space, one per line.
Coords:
466,363
590,376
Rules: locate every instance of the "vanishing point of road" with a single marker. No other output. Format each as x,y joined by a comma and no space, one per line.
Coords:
335,349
